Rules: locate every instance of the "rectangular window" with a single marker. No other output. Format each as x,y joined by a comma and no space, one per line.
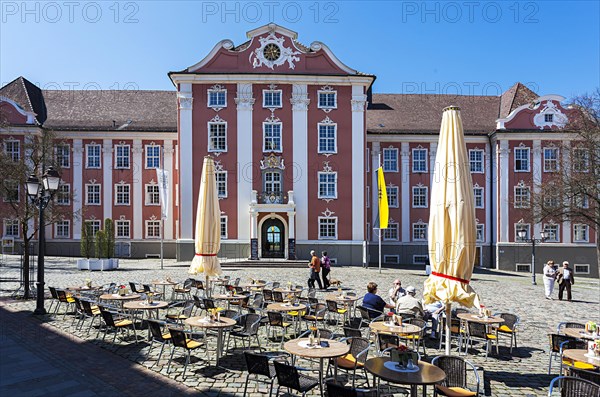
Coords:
327,228
63,155
327,100
522,197
152,195
368,231
92,156
520,227
12,191
271,137
328,185
551,233
420,259
392,196
327,138
580,233
549,118
12,148
224,226
217,98
11,227
94,226
122,156
217,137
62,229
122,228
478,194
390,160
152,156
521,159
419,199
153,229
480,233
63,195
476,160
391,259
581,160
550,200
122,194
580,268
92,196
419,232
391,233
419,160
581,200
221,177
550,159
271,98
368,194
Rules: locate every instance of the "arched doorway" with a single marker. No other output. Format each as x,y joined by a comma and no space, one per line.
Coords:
272,238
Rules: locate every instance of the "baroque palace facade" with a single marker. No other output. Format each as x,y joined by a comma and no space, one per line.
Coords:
296,136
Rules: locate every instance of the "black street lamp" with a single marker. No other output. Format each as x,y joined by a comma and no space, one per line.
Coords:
522,235
41,194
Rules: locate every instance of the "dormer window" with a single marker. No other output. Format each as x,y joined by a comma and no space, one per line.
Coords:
217,97
549,118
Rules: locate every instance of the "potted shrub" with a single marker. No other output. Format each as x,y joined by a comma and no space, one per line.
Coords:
109,238
86,246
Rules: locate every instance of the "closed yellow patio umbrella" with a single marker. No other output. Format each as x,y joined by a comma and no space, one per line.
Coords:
208,225
452,229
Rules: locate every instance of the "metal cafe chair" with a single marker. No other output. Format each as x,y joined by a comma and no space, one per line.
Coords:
574,387
456,369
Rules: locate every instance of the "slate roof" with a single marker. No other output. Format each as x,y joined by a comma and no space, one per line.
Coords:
515,96
27,95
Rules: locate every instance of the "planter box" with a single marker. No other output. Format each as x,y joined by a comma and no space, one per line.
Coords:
97,264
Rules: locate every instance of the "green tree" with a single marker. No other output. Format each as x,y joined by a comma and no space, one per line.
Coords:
101,244
85,244
109,230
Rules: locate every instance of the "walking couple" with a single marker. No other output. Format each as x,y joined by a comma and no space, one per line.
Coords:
322,266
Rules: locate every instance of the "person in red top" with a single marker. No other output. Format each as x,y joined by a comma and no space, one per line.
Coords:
315,268
325,268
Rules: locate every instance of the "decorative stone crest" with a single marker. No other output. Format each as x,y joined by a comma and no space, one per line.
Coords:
257,57
217,119
556,117
272,118
327,120
218,166
327,213
272,161
327,167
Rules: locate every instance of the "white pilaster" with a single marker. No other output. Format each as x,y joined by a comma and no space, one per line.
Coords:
253,224
503,200
291,224
406,202
107,182
375,152
489,193
537,178
245,102
77,188
138,191
358,102
566,164
168,164
186,212
300,103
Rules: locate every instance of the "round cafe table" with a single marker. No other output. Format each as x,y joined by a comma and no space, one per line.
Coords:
253,285
163,284
203,322
229,298
582,356
146,307
384,327
579,333
288,291
120,298
300,347
475,318
426,375
83,288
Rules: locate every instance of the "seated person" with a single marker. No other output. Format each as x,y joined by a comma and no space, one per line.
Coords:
408,304
396,291
433,311
373,302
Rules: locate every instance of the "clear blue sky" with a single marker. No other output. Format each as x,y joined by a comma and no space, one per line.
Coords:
476,47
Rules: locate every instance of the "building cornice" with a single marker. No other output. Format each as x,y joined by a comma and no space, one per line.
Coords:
263,78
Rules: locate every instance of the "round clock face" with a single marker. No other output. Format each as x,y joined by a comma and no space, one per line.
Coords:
271,52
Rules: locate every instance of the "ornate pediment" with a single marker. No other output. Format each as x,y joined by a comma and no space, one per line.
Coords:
272,52
272,161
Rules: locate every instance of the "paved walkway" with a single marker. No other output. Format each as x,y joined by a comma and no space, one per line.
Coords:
47,356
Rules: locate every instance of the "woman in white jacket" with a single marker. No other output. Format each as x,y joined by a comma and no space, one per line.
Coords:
549,277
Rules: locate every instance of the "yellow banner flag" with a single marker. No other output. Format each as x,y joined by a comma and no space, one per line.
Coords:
384,212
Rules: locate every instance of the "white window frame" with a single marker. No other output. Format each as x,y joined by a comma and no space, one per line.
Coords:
391,233
581,160
326,139
476,165
521,149
87,193
418,229
222,183
63,159
223,227
152,223
326,106
368,162
61,224
264,145
215,148
151,156
124,193
479,192
334,224
122,156
17,188
63,197
418,163
518,196
216,91
422,259
326,184
268,91
424,195
581,200
523,267
95,225
522,226
480,233
148,195
386,162
391,259
120,224
586,265
12,152
368,231
549,117
89,156
551,164
577,229
8,226
552,229
392,196
368,199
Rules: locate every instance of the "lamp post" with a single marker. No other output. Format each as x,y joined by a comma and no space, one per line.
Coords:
522,235
41,194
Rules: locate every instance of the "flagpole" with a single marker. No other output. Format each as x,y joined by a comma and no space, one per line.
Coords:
379,234
162,218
